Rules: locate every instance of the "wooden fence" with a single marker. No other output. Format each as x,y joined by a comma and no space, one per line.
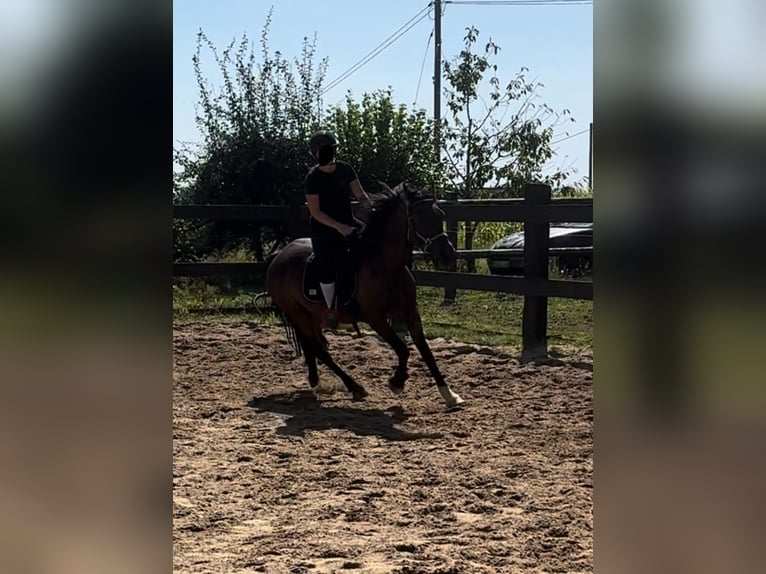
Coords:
536,210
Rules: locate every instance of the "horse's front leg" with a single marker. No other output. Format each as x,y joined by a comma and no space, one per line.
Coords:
415,326
377,320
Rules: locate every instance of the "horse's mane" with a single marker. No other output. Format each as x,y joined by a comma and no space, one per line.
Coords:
384,204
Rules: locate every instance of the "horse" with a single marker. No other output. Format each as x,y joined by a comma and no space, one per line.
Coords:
400,219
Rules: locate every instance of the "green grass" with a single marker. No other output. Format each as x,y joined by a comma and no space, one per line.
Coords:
475,317
495,318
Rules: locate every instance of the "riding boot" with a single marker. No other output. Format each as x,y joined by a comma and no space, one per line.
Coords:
331,316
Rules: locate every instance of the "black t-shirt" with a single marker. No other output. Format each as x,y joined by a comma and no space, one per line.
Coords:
334,191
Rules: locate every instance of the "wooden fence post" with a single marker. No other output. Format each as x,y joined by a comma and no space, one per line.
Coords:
535,318
452,226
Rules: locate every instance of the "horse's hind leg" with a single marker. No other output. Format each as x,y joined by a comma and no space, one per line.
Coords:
310,340
357,390
314,346
311,363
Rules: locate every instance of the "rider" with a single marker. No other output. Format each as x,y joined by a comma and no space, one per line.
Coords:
329,185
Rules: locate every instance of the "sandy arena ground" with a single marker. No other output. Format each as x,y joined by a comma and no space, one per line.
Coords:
269,479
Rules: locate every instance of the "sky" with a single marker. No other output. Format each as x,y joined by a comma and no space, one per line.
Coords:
554,42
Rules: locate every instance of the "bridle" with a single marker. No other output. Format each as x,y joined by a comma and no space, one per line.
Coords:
425,243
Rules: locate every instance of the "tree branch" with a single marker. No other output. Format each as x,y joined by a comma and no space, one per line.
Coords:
452,161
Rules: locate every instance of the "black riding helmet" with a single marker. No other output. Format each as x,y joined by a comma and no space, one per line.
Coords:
323,145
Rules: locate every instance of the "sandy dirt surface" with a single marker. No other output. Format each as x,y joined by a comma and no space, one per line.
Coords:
269,479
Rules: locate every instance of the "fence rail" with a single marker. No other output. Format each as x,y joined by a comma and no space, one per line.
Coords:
536,210
502,253
465,281
254,213
559,211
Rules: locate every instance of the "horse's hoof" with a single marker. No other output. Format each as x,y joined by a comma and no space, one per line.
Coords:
396,382
359,394
396,389
454,402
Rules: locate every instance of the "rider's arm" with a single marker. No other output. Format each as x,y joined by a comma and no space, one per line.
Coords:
359,193
355,185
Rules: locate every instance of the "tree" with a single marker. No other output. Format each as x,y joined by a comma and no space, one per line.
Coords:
492,148
384,141
254,132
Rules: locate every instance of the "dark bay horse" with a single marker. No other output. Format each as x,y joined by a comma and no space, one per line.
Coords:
401,219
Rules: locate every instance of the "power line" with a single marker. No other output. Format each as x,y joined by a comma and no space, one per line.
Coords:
423,65
570,136
520,2
406,27
376,51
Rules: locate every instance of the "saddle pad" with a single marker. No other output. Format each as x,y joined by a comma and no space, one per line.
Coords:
345,288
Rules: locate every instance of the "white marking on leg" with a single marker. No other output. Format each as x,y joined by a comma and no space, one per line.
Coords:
450,398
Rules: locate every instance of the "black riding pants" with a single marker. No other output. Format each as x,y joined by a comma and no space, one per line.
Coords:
331,253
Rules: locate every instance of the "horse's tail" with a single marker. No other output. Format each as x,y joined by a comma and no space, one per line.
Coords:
265,306
293,337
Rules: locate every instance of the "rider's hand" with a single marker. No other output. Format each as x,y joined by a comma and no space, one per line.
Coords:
346,230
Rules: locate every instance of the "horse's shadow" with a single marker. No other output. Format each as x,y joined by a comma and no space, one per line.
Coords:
306,413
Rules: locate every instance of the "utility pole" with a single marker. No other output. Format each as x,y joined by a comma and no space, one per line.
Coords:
437,78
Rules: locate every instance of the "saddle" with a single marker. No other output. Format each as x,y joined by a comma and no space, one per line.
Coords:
345,283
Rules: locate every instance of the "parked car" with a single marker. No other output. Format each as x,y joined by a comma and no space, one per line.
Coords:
561,235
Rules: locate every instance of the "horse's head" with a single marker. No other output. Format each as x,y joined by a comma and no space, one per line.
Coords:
426,226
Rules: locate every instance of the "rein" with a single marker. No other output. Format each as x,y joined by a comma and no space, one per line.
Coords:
425,242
